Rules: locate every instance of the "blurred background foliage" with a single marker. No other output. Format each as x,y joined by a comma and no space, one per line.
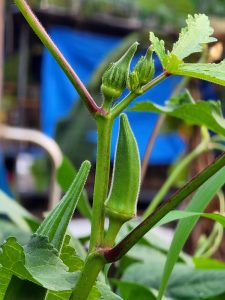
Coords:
160,12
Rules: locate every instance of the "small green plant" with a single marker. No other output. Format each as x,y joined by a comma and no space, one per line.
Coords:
49,263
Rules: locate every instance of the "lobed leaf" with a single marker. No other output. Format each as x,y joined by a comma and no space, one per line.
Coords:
158,46
202,113
206,71
192,38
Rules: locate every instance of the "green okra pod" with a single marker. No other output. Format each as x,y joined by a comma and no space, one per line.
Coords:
55,224
121,204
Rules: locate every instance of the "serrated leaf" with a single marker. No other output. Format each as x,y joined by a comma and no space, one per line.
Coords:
211,72
202,113
198,203
171,63
158,46
192,38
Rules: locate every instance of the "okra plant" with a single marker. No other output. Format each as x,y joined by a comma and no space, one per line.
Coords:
49,265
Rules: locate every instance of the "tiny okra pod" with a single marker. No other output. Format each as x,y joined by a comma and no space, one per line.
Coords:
121,204
56,223
114,79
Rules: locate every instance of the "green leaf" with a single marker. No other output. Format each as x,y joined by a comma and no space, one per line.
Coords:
208,263
158,46
5,278
94,294
198,203
9,229
37,262
55,224
106,293
65,175
58,295
70,258
192,38
134,291
16,213
211,72
202,113
178,215
23,290
185,282
46,267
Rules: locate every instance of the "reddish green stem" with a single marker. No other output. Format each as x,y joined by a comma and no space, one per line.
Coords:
50,45
137,233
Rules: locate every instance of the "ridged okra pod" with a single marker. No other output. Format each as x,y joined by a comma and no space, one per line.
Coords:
121,204
55,224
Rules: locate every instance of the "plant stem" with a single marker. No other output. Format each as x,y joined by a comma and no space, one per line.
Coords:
104,126
116,110
150,144
50,45
113,230
203,146
134,236
87,278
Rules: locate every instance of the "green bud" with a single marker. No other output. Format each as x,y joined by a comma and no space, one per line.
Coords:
133,83
121,204
142,73
55,224
114,79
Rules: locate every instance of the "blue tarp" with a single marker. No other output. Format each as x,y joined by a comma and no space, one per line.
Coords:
85,51
3,178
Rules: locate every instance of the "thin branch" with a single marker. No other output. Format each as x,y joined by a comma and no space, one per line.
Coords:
50,45
150,144
131,96
137,233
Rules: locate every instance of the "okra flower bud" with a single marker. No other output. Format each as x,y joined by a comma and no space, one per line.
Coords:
121,204
114,79
142,73
133,83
